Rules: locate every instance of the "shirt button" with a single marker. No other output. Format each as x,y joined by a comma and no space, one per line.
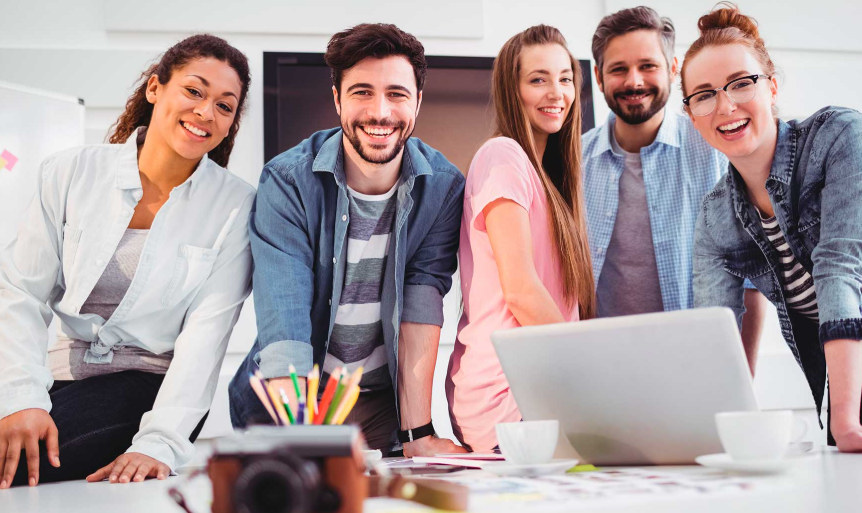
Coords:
600,251
137,195
330,302
344,217
608,214
334,260
98,263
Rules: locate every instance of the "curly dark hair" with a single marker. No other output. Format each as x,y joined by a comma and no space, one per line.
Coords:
139,111
378,40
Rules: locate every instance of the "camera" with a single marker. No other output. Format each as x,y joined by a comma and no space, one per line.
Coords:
295,469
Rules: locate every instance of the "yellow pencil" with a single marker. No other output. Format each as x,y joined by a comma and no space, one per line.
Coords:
313,383
348,405
352,385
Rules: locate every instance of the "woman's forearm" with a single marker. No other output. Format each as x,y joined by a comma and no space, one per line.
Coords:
844,362
533,305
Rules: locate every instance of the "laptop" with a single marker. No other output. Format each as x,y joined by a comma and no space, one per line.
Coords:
633,390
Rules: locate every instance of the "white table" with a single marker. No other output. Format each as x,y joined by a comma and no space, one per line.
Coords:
830,483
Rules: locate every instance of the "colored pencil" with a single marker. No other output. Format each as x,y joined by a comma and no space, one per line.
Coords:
279,407
336,399
347,405
286,401
353,384
262,395
293,378
312,385
328,392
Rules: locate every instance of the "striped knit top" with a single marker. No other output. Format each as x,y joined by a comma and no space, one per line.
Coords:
799,293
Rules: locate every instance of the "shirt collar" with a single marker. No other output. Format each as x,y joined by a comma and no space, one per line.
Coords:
330,159
128,173
782,160
668,133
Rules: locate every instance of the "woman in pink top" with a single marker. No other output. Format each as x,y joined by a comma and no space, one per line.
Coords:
524,254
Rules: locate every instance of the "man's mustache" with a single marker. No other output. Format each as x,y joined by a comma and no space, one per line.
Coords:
636,92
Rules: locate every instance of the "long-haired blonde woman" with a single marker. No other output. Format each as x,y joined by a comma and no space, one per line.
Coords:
524,254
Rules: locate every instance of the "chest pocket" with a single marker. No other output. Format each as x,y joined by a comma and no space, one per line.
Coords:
71,238
193,266
748,263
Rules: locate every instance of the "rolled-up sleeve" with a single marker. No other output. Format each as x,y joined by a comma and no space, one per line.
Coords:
29,277
187,391
428,274
283,276
837,259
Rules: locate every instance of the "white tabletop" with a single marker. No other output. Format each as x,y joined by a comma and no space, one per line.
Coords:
830,482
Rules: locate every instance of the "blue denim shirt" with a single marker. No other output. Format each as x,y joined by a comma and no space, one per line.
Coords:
298,233
814,186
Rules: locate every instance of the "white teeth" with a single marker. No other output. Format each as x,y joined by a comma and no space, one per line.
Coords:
196,131
552,110
732,126
381,132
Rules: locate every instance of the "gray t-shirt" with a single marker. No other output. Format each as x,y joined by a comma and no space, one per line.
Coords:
66,358
357,335
629,282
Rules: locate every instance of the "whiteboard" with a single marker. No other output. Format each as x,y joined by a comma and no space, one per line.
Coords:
33,125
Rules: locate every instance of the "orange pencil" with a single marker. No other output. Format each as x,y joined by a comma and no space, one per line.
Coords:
258,388
328,392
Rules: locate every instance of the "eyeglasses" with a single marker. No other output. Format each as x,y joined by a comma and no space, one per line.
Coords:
741,90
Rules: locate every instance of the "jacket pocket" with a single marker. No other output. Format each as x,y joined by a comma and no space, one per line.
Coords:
193,266
71,238
746,263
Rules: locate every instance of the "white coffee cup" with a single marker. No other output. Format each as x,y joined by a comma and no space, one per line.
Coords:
528,443
756,435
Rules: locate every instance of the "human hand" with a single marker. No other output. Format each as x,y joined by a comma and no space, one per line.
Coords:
23,430
430,446
131,467
848,437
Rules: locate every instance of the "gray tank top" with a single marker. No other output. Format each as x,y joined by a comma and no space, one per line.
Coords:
66,358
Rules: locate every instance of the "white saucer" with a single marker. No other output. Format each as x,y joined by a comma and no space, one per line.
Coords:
510,469
724,462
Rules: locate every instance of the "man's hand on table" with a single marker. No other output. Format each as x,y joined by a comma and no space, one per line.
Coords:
430,446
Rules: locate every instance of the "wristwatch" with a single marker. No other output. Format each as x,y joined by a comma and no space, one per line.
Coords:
411,435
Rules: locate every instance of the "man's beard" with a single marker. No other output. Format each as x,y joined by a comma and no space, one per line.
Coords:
637,114
386,158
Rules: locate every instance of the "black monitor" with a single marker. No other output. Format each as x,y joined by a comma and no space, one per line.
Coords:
456,117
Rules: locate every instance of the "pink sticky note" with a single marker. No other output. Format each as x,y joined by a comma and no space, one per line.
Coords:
10,159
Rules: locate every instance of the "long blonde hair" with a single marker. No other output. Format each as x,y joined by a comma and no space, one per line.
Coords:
567,218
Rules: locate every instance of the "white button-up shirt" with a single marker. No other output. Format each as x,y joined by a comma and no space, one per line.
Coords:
192,278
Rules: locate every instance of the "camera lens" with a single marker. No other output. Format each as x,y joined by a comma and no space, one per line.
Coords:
282,484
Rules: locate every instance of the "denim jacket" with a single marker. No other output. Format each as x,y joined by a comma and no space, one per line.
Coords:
298,233
814,186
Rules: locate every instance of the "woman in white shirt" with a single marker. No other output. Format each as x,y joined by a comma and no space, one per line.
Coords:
141,249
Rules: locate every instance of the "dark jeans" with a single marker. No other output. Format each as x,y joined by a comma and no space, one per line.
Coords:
374,413
96,420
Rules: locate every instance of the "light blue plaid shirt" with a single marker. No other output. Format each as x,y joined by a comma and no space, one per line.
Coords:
679,168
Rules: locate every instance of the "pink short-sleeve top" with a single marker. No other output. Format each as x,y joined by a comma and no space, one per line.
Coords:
478,393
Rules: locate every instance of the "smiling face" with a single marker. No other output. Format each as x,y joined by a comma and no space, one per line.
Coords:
378,106
737,130
636,76
546,87
194,111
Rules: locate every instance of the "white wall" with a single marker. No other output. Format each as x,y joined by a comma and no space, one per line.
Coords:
95,49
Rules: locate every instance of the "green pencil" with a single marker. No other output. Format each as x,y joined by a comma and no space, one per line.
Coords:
336,399
292,370
286,402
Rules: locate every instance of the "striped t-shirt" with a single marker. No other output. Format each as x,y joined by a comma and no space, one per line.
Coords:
799,292
357,336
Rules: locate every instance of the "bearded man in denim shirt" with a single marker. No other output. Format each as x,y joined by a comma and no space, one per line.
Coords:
354,235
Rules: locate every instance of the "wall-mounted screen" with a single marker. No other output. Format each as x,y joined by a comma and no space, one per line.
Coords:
456,116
